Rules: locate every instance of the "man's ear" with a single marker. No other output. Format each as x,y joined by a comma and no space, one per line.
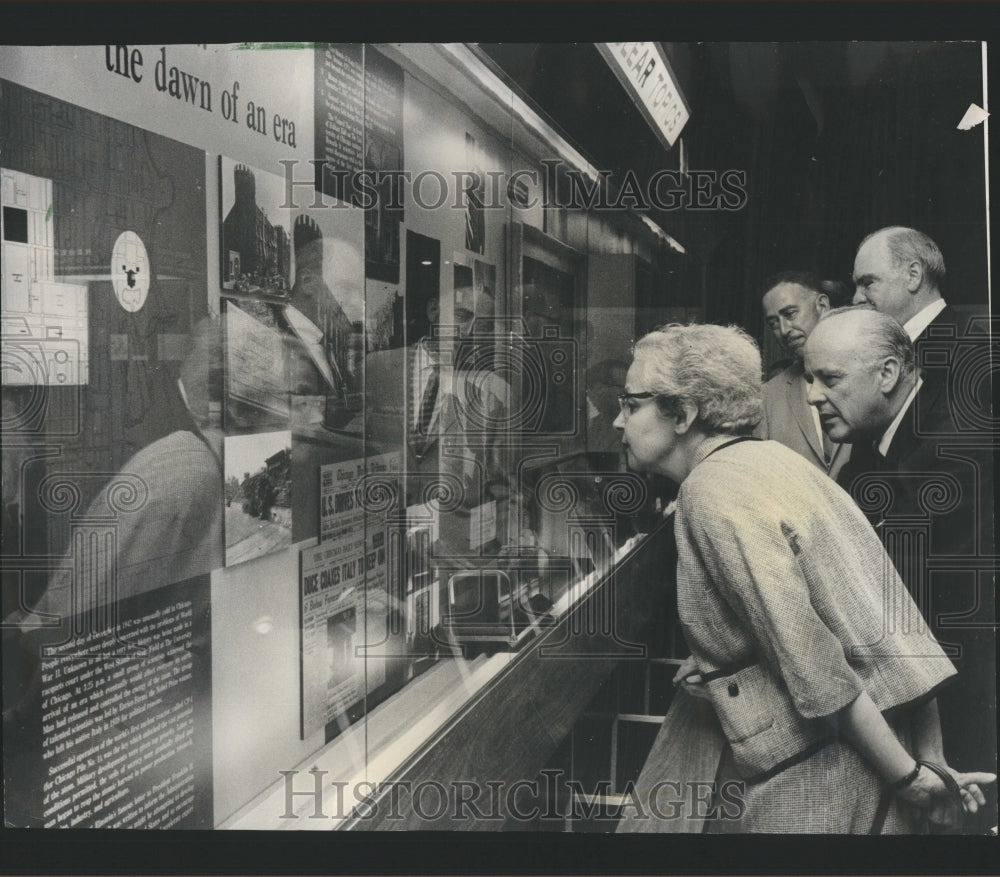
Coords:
686,413
888,375
822,303
914,275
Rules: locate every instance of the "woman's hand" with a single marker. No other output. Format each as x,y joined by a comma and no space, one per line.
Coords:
688,678
929,792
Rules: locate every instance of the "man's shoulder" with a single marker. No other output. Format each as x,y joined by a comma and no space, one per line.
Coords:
180,442
957,322
791,372
952,355
776,387
748,467
929,421
784,374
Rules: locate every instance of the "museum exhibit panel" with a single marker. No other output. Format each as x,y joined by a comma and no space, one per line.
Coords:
315,512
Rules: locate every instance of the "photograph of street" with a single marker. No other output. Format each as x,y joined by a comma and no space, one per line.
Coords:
258,495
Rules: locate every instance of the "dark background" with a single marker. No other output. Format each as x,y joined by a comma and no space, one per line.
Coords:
836,139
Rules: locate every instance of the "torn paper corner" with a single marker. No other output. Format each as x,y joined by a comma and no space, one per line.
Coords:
974,115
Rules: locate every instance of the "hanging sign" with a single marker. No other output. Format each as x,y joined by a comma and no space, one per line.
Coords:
644,72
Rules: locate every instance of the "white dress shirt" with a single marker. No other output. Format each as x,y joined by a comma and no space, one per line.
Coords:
920,321
888,435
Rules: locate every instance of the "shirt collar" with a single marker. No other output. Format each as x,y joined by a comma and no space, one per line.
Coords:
427,357
887,437
920,321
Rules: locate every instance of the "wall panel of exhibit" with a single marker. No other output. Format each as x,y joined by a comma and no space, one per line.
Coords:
293,388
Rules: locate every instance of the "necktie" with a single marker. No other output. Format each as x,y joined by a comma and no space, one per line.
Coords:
428,401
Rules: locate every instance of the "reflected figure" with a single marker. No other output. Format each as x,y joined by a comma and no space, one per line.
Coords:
548,302
449,411
168,519
604,382
156,523
320,324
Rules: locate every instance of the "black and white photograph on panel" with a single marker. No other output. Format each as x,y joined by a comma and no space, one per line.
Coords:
256,249
258,490
326,313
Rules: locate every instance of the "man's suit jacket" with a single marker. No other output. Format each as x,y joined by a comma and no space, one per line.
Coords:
953,355
931,501
788,419
946,325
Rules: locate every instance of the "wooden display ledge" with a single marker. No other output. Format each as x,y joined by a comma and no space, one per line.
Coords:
494,719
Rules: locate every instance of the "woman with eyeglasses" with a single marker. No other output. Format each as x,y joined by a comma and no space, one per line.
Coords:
803,638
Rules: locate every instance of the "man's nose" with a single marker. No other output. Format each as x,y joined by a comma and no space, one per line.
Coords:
859,297
814,394
619,422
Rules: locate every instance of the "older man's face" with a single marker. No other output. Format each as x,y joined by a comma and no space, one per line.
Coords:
880,283
792,312
843,383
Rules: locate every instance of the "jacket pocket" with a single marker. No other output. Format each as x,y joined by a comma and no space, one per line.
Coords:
743,702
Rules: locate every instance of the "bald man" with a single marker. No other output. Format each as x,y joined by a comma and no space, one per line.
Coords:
900,271
928,492
793,303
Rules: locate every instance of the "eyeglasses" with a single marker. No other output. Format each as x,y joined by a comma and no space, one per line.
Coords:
625,400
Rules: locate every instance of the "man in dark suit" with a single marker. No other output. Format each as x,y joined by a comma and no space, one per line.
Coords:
901,272
793,303
928,489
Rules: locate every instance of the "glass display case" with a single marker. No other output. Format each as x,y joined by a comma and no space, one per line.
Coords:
311,481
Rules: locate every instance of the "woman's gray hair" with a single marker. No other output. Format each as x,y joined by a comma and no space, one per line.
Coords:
716,368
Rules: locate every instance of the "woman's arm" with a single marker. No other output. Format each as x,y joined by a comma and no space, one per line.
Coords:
927,743
863,725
